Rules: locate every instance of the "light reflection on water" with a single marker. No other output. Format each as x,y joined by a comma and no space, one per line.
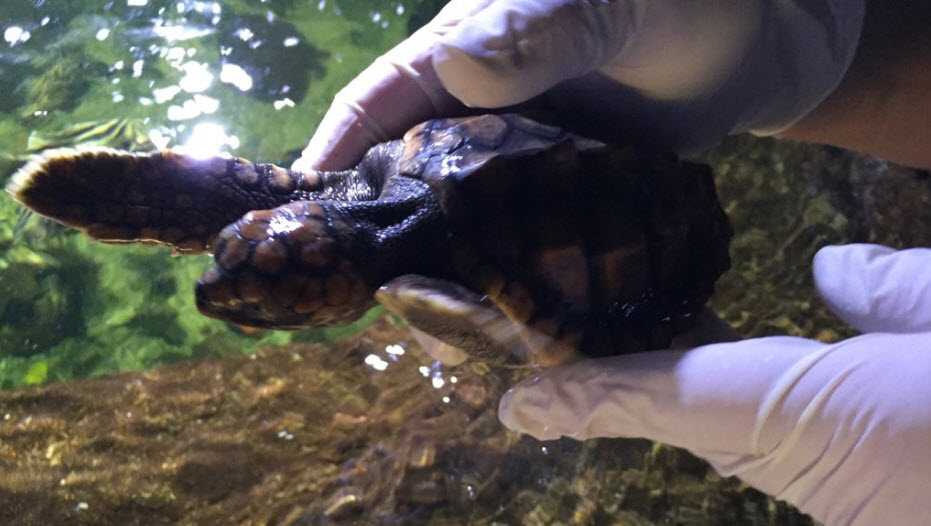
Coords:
15,34
196,78
180,62
208,139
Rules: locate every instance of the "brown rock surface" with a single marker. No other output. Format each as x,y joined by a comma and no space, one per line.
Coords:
311,434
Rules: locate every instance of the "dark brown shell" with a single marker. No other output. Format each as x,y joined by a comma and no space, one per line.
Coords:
584,242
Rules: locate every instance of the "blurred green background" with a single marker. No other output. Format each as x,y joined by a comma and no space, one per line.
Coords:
252,77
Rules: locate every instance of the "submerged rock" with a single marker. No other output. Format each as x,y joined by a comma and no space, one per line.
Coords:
311,434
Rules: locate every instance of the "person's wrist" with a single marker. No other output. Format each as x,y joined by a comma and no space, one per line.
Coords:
883,100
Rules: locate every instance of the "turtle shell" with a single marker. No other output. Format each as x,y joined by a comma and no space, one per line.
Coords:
594,246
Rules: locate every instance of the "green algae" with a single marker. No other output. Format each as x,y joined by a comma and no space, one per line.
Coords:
61,85
80,308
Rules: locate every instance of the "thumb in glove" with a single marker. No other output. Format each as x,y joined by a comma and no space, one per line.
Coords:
838,430
678,72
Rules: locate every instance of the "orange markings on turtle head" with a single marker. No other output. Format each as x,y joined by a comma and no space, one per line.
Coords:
252,288
254,230
233,253
270,256
516,302
559,351
548,326
490,280
566,269
259,215
217,290
317,254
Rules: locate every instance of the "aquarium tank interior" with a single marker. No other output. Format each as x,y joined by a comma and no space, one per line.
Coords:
121,404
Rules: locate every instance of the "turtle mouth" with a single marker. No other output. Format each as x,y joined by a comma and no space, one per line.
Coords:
287,301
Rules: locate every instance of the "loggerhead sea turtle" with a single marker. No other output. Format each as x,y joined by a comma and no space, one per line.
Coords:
494,233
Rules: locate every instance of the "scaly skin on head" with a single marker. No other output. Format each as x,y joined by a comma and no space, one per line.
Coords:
279,268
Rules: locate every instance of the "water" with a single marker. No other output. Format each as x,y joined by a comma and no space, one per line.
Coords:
149,413
247,77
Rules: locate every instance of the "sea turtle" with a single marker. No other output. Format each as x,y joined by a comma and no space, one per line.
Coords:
492,233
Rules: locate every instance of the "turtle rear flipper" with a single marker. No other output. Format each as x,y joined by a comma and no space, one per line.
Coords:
469,321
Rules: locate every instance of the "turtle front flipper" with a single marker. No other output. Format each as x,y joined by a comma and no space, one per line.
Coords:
160,197
469,321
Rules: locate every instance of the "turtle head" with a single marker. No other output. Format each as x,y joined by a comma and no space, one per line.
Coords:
285,268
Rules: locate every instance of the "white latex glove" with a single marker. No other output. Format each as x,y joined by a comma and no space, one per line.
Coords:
842,431
677,74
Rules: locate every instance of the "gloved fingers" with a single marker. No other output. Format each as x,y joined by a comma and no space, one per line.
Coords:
491,53
669,50
685,58
875,288
702,399
512,51
397,91
836,429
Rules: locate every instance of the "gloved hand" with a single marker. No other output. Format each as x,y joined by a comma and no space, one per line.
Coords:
842,431
673,74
